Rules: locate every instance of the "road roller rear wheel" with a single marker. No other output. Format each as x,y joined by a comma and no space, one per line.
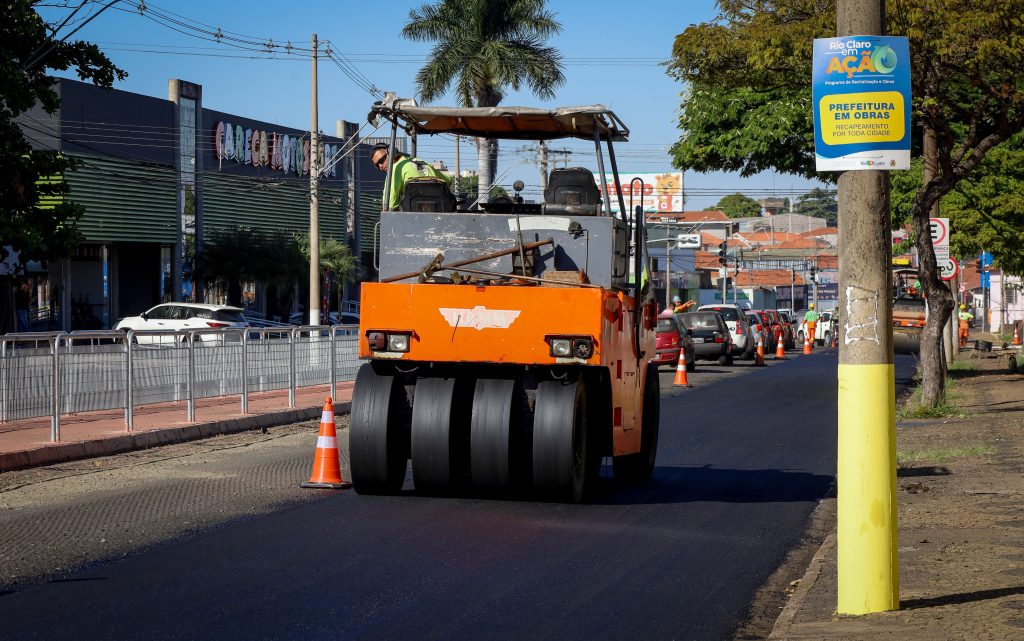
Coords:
436,460
561,458
378,433
491,430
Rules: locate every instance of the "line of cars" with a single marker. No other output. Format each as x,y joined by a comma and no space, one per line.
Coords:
721,332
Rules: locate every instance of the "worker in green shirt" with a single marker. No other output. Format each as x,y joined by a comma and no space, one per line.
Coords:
810,324
405,169
965,318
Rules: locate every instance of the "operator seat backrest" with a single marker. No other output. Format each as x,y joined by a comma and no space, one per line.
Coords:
427,195
573,186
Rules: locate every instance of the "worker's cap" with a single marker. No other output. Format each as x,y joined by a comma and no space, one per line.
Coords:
963,307
676,299
812,305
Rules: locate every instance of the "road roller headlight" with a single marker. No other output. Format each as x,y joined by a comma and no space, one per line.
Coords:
561,346
398,342
581,347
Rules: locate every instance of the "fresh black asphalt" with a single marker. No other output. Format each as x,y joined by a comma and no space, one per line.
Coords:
741,464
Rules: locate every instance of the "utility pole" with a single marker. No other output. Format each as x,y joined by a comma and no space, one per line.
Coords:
314,204
868,579
543,167
792,290
458,174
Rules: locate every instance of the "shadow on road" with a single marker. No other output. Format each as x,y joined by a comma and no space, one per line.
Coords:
707,484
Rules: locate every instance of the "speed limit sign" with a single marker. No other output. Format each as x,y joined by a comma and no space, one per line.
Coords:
948,268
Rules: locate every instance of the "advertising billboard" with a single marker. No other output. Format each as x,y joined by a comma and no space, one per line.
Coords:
662,192
861,97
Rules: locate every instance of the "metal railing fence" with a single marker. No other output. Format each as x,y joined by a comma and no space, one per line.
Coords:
57,373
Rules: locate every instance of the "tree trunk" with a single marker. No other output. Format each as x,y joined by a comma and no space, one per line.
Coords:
940,306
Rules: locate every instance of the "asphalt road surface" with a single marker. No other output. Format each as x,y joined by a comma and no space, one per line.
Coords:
744,456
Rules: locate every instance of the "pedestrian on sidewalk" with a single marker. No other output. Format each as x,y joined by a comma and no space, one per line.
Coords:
22,301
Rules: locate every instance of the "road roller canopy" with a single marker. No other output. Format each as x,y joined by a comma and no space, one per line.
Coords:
516,123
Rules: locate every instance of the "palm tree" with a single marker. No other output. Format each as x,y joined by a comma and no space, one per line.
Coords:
486,47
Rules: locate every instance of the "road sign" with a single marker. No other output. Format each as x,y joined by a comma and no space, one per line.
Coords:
948,268
986,280
861,99
688,241
939,230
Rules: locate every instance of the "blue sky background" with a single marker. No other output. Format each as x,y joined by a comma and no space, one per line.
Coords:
612,52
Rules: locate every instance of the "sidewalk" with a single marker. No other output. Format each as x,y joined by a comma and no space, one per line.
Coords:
960,485
26,443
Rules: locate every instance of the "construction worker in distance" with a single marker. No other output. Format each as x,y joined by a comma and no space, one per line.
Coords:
678,306
965,318
810,324
405,169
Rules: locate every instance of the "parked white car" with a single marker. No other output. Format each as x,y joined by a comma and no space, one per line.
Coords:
743,339
823,331
181,316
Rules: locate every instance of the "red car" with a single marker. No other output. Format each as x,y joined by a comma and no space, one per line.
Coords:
671,337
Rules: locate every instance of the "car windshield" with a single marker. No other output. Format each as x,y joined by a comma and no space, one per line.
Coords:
667,325
728,313
702,321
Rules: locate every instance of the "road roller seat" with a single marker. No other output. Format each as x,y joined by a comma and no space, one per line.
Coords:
427,195
572,186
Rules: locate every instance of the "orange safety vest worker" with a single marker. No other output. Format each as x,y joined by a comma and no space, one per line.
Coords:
965,318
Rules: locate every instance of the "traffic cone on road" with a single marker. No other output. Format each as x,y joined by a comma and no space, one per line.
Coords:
759,356
780,350
1016,335
326,463
807,344
681,371
835,341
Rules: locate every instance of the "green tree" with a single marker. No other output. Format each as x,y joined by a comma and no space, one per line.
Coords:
737,206
747,103
335,258
35,218
486,47
231,258
819,203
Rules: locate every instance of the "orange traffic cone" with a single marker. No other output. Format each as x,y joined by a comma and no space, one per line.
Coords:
759,356
835,341
1016,335
681,371
780,350
807,344
326,463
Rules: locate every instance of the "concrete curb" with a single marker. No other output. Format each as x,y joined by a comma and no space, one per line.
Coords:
796,602
51,453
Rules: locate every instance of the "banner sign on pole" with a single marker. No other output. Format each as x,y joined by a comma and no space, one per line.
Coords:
861,96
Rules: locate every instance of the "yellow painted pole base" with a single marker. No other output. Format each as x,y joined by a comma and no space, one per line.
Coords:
866,479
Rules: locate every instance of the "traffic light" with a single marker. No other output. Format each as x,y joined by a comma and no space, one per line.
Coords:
722,249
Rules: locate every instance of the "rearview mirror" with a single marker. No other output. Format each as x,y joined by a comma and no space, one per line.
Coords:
144,316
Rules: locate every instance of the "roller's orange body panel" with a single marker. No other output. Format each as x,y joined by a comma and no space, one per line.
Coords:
507,325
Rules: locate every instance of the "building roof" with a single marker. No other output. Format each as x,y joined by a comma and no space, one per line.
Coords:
710,215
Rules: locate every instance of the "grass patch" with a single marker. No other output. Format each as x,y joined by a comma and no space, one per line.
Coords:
943,455
947,407
961,366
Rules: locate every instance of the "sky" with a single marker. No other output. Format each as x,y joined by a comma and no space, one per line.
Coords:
613,54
